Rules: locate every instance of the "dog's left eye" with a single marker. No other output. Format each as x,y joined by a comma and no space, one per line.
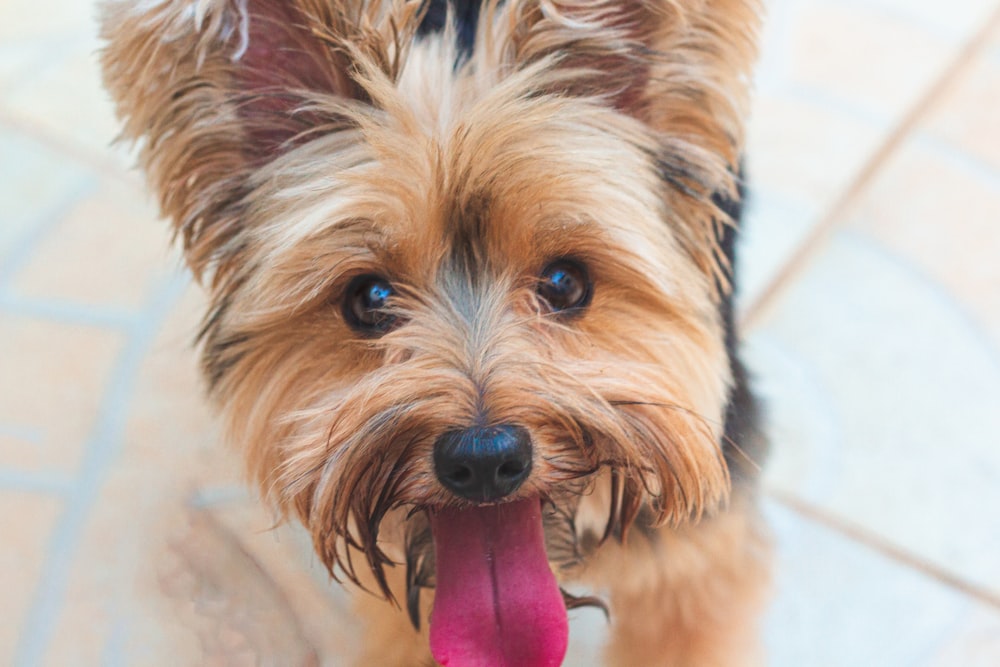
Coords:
565,285
365,304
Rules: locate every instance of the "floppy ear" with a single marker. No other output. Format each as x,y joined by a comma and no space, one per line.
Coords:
214,89
681,67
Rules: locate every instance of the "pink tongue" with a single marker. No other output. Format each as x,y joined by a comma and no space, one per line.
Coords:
497,603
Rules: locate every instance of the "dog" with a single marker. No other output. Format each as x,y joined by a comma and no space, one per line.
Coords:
470,271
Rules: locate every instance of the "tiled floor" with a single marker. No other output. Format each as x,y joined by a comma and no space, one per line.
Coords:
871,305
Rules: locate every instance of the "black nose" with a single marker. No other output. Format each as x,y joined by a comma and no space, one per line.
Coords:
483,463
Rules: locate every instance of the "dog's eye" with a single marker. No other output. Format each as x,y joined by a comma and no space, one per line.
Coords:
565,285
365,304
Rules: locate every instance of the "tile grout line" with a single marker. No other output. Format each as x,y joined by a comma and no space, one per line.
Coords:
102,447
882,546
55,484
973,48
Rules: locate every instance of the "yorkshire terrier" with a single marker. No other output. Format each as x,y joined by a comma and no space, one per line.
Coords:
470,277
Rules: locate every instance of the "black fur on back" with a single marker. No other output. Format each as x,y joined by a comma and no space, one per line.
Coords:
745,445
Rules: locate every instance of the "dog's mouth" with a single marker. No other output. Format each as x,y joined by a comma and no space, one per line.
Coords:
497,602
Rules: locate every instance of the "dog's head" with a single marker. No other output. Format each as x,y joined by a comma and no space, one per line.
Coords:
451,278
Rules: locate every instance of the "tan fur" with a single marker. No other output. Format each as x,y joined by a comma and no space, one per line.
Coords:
595,130
695,608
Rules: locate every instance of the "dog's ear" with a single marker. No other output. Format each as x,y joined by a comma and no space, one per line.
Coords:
681,67
214,89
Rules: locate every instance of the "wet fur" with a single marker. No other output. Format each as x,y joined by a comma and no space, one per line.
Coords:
295,145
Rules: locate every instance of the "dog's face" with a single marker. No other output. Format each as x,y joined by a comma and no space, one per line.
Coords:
444,281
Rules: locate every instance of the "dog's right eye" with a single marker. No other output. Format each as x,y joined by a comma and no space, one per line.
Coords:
565,286
366,304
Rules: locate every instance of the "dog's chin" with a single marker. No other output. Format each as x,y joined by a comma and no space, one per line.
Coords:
497,601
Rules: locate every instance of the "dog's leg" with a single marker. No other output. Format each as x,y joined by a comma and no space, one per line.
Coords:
389,638
688,597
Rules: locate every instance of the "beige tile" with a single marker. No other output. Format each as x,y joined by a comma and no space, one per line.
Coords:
171,427
976,642
52,386
27,520
229,601
156,582
801,157
967,116
112,587
882,395
30,39
318,608
804,151
115,603
232,588
870,59
35,184
838,603
958,19
106,251
67,101
101,574
18,60
835,79
23,19
156,637
938,211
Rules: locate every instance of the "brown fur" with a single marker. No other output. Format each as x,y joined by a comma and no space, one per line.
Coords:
298,144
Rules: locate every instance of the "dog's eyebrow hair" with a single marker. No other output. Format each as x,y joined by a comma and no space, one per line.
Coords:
466,227
465,14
